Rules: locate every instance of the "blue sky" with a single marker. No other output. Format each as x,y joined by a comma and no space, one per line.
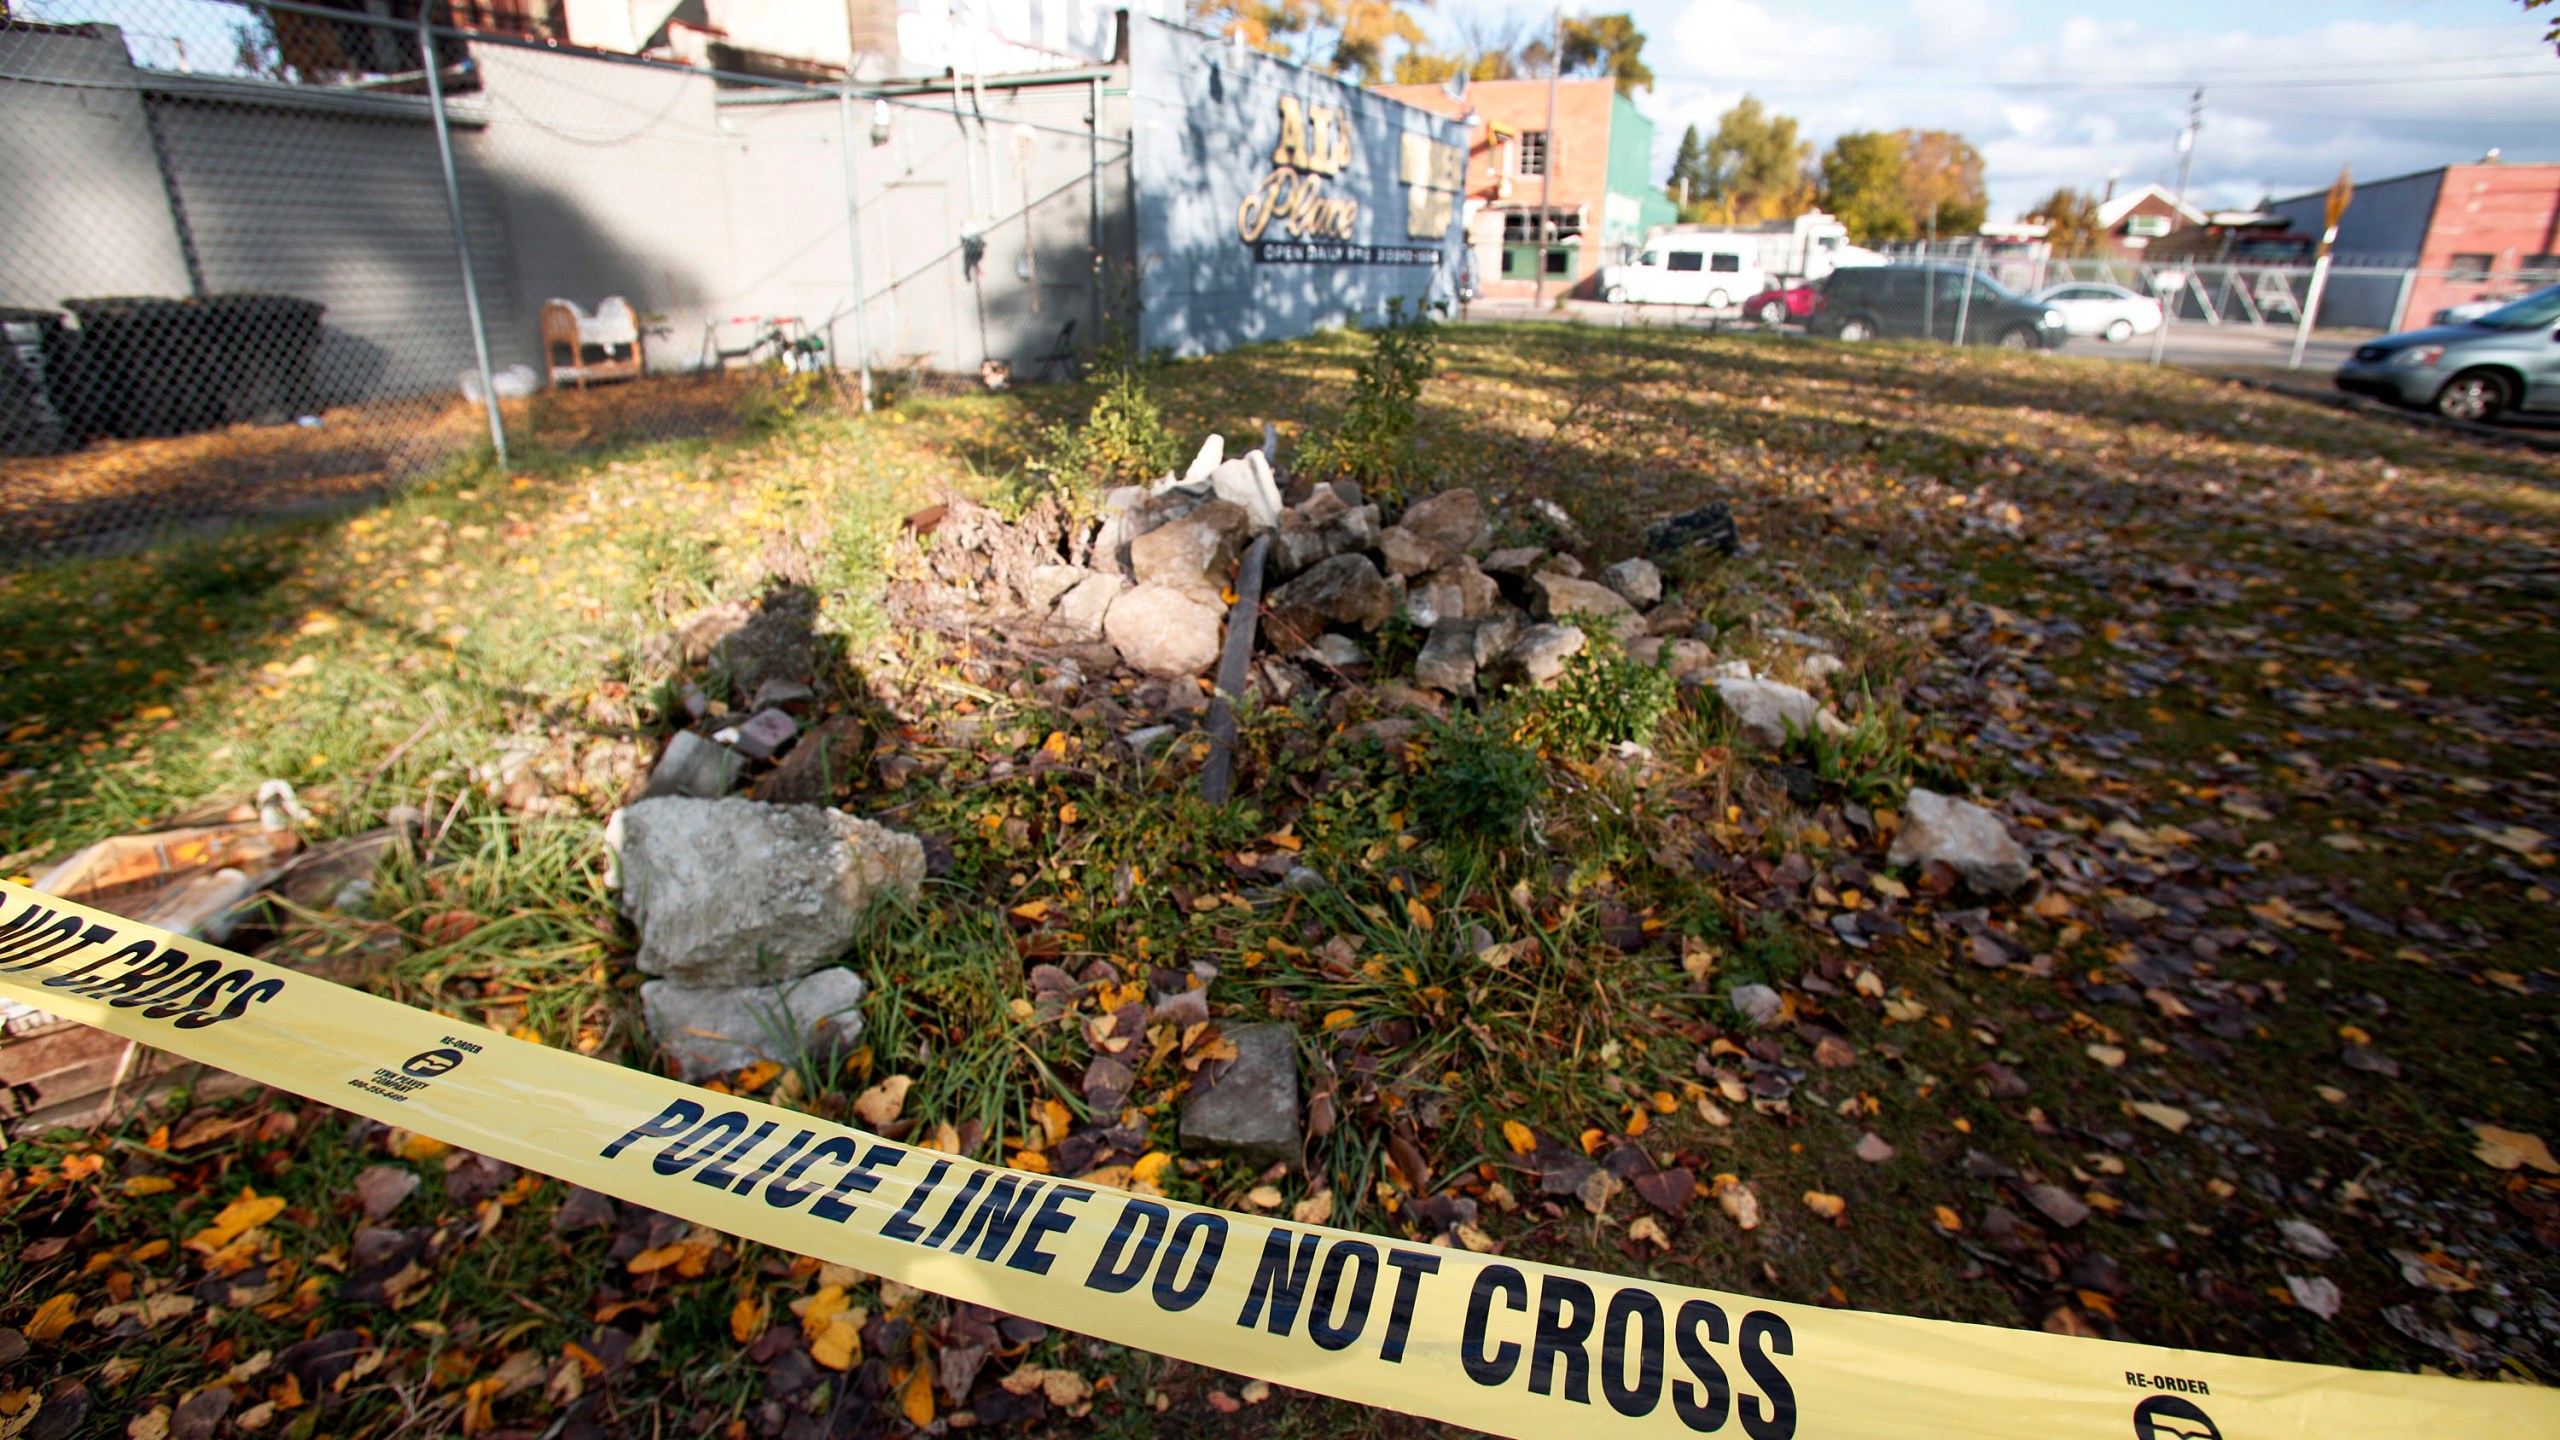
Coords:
2053,91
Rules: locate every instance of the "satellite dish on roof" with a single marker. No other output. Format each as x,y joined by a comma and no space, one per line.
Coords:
1455,87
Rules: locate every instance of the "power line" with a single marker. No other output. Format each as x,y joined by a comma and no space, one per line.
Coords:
1768,82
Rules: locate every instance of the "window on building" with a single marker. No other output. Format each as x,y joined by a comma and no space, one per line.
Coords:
1727,263
2540,265
1532,153
1559,261
1686,259
2472,267
2150,227
1520,227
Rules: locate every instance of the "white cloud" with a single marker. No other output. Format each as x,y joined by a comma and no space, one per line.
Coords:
1931,64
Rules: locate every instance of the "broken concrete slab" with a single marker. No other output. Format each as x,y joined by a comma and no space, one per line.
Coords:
706,1031
1252,1107
1560,597
1195,554
1165,632
1087,608
693,766
1966,838
737,892
761,736
1448,659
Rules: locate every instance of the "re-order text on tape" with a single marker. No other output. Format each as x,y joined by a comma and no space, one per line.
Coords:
1507,1346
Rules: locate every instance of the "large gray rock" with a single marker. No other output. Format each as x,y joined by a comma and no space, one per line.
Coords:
1768,709
1561,597
696,767
1449,524
1513,564
1344,590
1252,1108
1049,582
706,1031
733,892
1963,836
1195,554
1404,553
1325,526
1165,632
1538,655
1085,608
1448,659
1637,580
1685,659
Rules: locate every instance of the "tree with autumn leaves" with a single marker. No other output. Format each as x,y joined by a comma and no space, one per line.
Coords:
1352,38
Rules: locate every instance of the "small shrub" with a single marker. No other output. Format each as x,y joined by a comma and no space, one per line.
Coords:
1372,440
1478,785
1605,697
1869,763
1122,441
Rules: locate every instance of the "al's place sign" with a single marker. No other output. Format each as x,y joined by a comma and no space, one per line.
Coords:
1290,218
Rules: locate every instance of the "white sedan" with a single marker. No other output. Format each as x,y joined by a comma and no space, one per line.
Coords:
2108,311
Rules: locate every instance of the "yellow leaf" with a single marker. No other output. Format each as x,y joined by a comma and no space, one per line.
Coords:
1068,814
1517,1136
1829,1207
917,1399
1263,1197
149,1185
1055,1119
1948,1219
1149,1170
1316,1209
837,1345
247,1213
409,1145
2507,1149
1645,1227
754,1078
1417,912
52,1318
1336,1019
1033,1161
746,1319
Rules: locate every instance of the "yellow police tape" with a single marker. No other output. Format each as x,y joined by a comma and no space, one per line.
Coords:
1507,1346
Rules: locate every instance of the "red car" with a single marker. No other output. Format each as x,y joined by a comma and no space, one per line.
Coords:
1779,307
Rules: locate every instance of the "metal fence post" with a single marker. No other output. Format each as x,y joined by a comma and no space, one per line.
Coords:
853,241
1964,302
461,234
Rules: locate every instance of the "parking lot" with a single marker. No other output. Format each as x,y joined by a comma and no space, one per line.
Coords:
2215,349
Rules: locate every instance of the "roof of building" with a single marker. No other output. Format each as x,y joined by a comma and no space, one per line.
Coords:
2323,192
2116,209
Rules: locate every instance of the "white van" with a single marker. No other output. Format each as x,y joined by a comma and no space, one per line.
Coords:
1714,271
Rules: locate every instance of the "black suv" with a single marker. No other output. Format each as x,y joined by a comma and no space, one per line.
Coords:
1926,302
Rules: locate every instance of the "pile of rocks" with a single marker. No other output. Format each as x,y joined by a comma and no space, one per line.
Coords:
1156,579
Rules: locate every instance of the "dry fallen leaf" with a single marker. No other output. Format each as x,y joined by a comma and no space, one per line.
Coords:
2107,1055
1829,1207
881,1104
2167,1117
1517,1136
1316,1209
2508,1149
1646,1227
1738,1201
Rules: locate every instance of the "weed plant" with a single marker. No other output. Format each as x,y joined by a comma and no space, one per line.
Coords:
1372,440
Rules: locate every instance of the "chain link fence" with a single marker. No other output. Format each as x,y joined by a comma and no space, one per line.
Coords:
260,256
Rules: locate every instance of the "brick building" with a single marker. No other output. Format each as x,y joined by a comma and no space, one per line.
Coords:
2137,219
2473,232
1602,201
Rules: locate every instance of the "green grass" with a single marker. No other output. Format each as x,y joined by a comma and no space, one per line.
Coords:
2210,606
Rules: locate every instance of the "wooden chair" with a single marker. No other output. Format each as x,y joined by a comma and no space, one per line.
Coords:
581,347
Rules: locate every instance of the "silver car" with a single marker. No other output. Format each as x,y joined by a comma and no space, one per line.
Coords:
2508,359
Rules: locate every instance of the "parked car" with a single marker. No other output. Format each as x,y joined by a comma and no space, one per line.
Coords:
2508,359
1709,270
1929,302
2110,312
1783,304
2473,309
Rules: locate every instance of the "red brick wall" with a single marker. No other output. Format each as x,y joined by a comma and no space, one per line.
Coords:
1580,156
2509,213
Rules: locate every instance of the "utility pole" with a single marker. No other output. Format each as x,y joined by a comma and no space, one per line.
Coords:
1547,157
2187,142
